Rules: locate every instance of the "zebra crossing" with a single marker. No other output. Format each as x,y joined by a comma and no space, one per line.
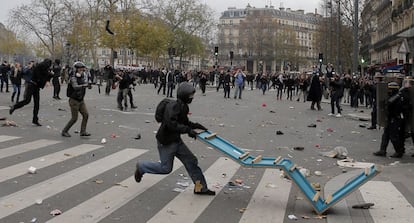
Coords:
125,201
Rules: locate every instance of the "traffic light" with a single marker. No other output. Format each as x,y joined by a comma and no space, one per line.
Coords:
216,51
231,55
320,57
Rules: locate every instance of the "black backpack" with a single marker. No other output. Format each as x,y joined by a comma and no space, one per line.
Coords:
159,111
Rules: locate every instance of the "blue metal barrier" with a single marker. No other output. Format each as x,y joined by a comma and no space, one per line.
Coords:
319,204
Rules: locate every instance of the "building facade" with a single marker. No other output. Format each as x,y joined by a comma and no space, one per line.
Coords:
268,39
387,35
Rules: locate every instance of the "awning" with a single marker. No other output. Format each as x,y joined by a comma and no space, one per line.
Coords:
393,69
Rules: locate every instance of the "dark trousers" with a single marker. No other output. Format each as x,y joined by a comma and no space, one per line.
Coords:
227,91
4,81
75,108
31,91
108,86
162,86
16,90
374,116
170,88
56,86
335,99
392,132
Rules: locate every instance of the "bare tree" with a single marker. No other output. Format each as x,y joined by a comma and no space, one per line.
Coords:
44,19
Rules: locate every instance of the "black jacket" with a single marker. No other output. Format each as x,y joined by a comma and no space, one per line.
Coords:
42,74
174,123
78,85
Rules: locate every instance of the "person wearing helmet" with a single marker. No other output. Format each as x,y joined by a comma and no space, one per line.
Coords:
41,75
76,92
174,123
393,128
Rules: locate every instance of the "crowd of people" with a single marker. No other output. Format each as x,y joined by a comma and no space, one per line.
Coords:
310,87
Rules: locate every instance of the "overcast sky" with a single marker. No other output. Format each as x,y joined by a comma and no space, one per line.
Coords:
217,5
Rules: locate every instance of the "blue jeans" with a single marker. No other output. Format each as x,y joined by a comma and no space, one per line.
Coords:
165,166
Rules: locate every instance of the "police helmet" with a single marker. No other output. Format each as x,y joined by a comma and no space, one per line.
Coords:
79,64
185,91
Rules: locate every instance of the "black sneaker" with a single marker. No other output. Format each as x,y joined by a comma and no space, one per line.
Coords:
138,175
133,106
66,134
85,134
11,110
36,124
380,153
207,192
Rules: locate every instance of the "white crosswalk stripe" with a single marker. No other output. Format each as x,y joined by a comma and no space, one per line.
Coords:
4,138
22,199
267,201
113,198
21,148
390,204
41,162
187,207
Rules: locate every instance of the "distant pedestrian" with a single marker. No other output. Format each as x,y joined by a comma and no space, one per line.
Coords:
239,79
16,81
315,92
57,70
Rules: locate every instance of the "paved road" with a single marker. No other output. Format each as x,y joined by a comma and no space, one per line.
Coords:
92,182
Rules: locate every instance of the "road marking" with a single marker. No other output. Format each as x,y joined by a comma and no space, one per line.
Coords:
269,201
41,162
390,204
103,204
43,190
187,206
17,149
4,138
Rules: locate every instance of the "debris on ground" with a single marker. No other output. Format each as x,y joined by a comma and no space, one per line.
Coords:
363,206
242,210
103,141
363,125
33,220
292,217
264,105
316,186
138,137
56,212
8,123
61,109
39,201
179,190
270,185
299,148
338,152
279,133
32,170
305,172
271,111
348,162
313,125
98,181
317,173
329,130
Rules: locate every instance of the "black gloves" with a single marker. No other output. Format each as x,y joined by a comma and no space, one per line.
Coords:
199,126
192,134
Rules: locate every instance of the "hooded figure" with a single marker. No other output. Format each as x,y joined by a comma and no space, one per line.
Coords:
174,123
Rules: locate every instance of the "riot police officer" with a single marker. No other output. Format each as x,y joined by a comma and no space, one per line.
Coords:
394,124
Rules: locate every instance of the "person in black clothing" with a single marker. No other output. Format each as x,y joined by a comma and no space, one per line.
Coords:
41,75
227,83
347,87
394,125
163,81
4,75
203,83
290,86
170,83
57,69
174,123
109,76
264,81
337,91
315,92
76,93
378,78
